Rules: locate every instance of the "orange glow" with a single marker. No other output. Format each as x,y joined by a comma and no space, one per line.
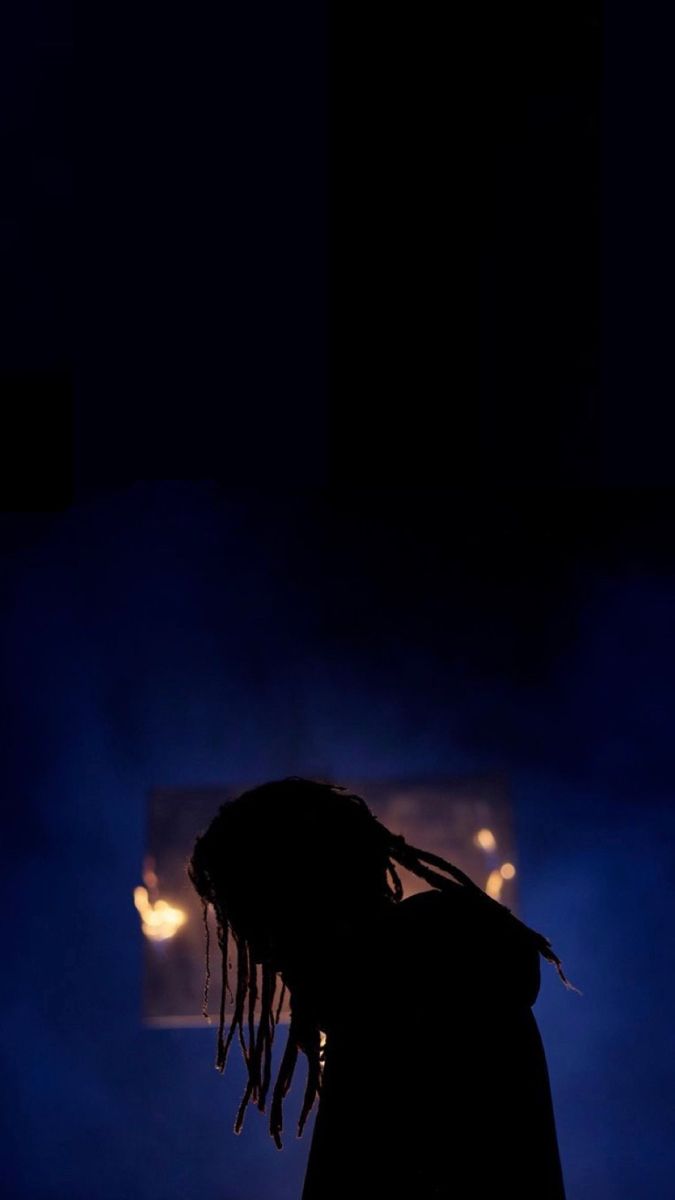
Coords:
485,838
159,920
507,871
494,885
149,877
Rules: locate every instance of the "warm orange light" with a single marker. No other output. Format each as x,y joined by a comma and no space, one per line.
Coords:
149,877
485,838
494,885
160,920
507,871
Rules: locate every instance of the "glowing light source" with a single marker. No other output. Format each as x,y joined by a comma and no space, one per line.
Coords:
494,885
465,820
507,871
485,838
149,877
159,920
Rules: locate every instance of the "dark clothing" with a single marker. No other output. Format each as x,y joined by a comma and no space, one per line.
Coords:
435,1084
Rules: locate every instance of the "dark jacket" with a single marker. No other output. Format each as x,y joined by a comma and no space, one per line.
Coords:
435,1084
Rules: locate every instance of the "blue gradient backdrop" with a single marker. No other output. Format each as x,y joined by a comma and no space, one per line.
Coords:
163,635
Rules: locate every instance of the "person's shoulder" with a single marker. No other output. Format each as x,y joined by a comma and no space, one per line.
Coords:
451,906
428,921
473,940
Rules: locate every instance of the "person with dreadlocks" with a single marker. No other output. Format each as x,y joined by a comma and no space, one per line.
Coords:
415,1016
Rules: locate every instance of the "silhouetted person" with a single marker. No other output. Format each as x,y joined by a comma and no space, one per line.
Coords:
433,1080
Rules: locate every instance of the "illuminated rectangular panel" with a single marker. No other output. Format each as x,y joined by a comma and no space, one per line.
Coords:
467,821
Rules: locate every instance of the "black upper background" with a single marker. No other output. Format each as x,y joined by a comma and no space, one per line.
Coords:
317,245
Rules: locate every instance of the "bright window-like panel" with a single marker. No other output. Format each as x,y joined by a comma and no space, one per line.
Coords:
467,821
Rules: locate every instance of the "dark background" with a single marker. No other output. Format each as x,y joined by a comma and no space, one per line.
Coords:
318,244
168,634
335,371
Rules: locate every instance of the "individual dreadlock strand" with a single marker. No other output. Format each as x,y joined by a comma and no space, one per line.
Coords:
252,998
267,1074
222,936
267,1025
281,1087
313,1080
241,1111
238,1016
543,945
439,882
221,1055
207,974
551,956
242,991
396,880
287,1076
273,988
412,857
282,997
224,949
261,1040
269,986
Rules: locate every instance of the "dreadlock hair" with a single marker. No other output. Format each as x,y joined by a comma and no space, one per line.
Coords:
309,829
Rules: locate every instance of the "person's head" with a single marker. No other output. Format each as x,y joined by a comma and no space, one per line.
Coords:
272,863
290,868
